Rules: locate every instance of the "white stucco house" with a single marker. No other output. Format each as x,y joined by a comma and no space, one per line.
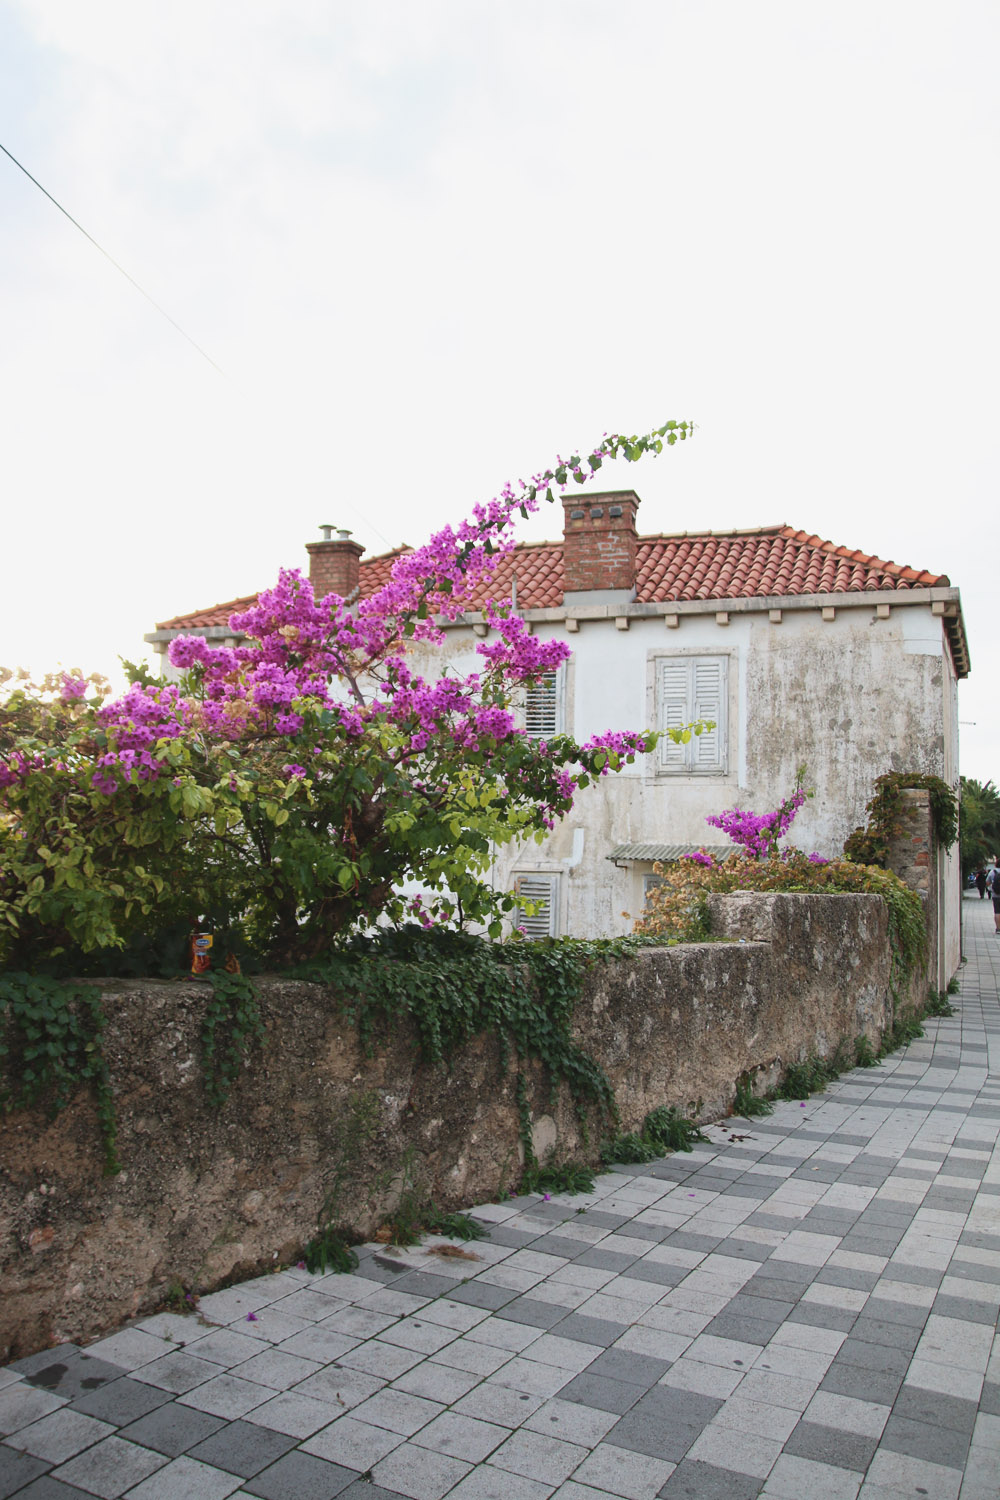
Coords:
800,651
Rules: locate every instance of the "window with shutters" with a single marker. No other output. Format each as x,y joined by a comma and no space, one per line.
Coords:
543,706
543,893
689,688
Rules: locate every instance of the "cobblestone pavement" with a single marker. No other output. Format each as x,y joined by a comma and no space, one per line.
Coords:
804,1308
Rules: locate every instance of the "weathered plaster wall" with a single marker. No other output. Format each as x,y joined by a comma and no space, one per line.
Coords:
850,698
208,1196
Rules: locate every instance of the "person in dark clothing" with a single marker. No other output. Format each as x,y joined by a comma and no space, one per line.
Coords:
981,883
994,882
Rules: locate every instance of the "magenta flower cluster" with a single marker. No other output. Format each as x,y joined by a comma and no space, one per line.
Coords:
759,832
314,674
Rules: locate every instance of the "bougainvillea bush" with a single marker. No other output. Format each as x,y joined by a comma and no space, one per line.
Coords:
676,907
287,789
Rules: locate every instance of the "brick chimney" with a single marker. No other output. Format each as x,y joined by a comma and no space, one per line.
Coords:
599,541
334,563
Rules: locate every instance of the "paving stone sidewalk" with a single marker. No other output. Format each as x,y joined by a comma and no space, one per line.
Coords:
805,1308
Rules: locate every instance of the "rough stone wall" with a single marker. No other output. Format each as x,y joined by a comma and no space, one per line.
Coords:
914,856
205,1197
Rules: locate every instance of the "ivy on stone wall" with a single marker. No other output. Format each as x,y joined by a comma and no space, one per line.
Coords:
870,845
452,986
51,1045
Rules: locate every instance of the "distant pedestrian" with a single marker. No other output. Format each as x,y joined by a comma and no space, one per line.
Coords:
981,883
994,882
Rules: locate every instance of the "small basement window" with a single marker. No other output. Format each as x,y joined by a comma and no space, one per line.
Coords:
543,893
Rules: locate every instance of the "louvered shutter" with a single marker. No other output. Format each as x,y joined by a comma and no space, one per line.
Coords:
674,697
540,890
709,702
541,707
692,688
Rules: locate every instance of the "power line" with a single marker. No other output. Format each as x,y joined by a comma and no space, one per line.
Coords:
153,303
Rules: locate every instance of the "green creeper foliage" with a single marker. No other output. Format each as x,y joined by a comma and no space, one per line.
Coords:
870,845
51,1037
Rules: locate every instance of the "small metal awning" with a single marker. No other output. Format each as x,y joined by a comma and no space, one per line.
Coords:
664,853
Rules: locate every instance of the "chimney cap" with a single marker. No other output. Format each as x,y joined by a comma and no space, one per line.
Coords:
327,527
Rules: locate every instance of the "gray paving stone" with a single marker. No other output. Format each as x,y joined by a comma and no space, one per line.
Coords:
665,1423
499,1404
587,1330
18,1469
31,1363
22,1404
47,1488
684,1239
436,1382
362,1489
602,1392
565,1244
889,1335
819,1315
299,1476
482,1294
172,1429
461,1436
859,1353
419,1473
792,1280
77,1375
187,1479
534,1313
60,1435
932,1444
746,1330
692,1480
605,1260
177,1373
760,1306
243,1448
121,1401
635,1369
936,1409
738,1248
980,1239
989,1402
602,1219
425,1284
966,1271
878,1386
513,1239
887,1310
900,1270
111,1467
862,1281
774,1286
871,1244
946,1306
657,1273
831,1445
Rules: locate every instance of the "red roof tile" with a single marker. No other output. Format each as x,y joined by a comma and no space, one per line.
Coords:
768,561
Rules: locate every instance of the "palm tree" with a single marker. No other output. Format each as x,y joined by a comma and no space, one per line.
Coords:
979,824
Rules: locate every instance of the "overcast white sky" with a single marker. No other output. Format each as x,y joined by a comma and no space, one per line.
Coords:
432,242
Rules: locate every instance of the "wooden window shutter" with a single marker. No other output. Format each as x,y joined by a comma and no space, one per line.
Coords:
541,707
541,891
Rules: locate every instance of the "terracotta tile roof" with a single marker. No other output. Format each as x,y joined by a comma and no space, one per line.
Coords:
766,561
217,614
